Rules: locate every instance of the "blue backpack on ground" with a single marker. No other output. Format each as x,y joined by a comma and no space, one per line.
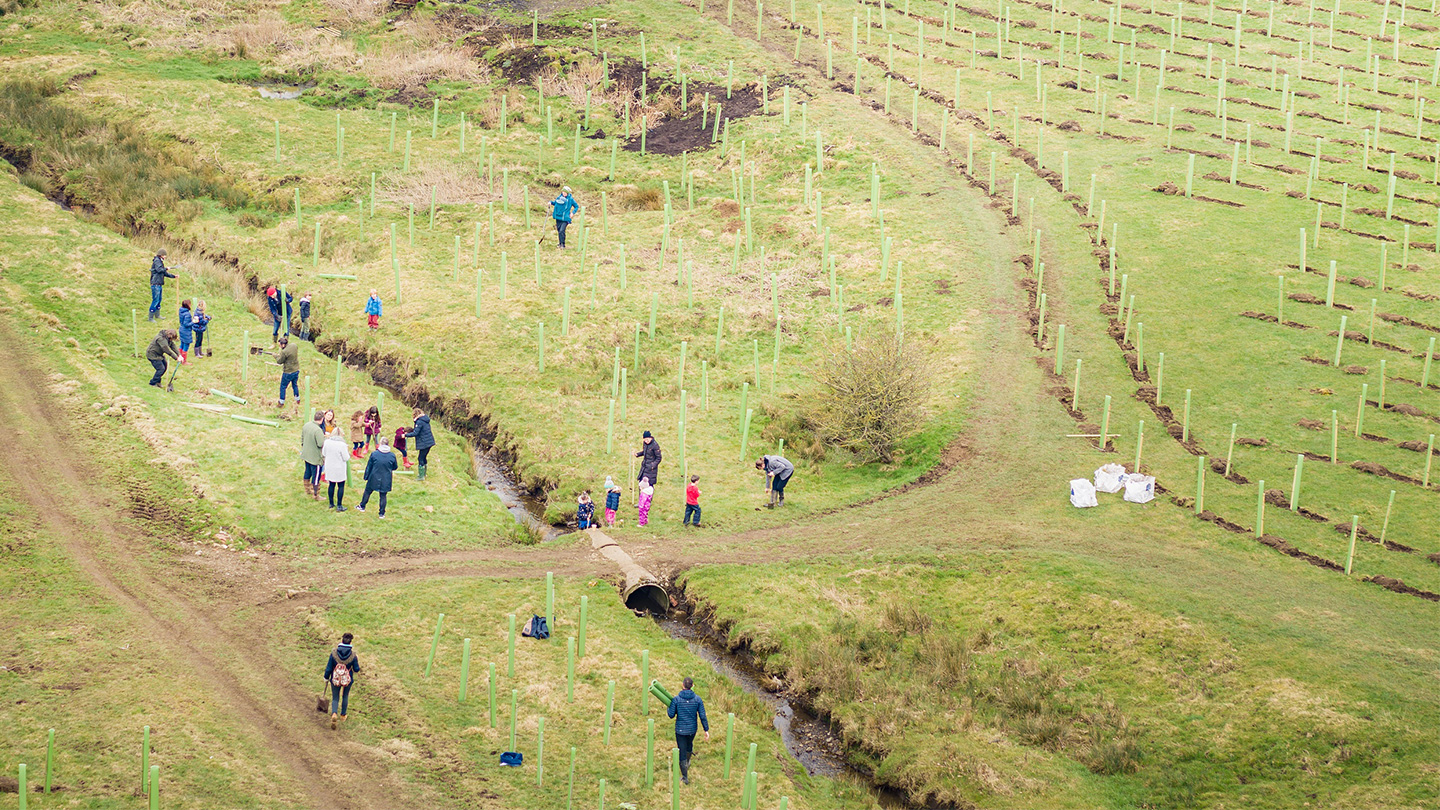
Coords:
512,759
537,627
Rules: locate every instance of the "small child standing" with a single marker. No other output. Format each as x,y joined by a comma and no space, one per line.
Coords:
199,322
373,309
399,445
612,501
647,492
305,316
692,501
584,510
372,427
357,433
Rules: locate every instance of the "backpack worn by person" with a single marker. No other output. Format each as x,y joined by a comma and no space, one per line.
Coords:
340,676
537,627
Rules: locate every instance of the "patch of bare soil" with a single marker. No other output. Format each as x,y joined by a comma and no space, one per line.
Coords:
672,136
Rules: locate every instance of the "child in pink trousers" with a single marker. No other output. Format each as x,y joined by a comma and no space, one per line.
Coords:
646,493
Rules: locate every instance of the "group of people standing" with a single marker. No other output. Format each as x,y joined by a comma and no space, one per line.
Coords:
777,470
327,456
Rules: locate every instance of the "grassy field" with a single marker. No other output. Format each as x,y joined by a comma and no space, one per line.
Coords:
975,641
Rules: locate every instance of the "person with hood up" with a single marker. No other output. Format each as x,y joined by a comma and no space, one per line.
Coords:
563,209
687,708
337,456
159,348
424,440
649,455
340,672
379,469
647,494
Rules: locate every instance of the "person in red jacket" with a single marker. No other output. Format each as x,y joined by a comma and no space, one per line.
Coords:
692,501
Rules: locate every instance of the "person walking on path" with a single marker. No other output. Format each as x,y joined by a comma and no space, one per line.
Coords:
162,345
692,501
612,500
312,452
563,209
687,708
336,469
272,302
289,362
199,323
778,470
379,472
424,440
187,331
373,310
340,672
158,273
647,494
649,455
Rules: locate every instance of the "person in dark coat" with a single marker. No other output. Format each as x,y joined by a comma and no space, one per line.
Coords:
344,653
689,712
159,348
424,440
305,316
272,301
379,470
199,323
158,273
649,456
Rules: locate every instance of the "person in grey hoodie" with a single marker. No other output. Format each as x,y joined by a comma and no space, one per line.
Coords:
343,665
689,712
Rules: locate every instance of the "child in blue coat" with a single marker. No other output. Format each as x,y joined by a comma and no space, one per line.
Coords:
372,309
187,330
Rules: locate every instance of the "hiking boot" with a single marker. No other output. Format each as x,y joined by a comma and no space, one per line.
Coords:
359,509
334,721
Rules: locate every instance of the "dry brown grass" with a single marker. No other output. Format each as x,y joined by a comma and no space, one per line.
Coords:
453,185
414,64
357,11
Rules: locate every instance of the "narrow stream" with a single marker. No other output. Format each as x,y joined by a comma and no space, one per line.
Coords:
527,509
808,738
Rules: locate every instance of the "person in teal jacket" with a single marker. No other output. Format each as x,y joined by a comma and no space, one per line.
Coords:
563,209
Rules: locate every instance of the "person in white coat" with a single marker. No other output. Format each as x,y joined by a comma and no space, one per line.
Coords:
337,455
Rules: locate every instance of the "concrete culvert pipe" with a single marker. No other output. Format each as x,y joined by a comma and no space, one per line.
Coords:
642,590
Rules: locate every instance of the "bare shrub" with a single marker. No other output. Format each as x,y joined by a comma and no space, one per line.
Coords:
872,397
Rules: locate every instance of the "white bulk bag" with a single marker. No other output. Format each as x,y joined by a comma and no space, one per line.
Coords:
1082,493
1110,478
1139,488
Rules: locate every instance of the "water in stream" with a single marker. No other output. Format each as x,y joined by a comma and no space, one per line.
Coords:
527,509
808,738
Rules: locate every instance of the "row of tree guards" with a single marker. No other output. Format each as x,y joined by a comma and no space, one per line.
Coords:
647,688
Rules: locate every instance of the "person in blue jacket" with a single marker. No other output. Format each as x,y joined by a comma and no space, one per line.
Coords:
379,470
158,273
424,440
373,310
687,708
563,209
272,302
187,330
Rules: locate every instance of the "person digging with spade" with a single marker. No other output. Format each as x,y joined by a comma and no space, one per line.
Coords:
156,352
289,361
